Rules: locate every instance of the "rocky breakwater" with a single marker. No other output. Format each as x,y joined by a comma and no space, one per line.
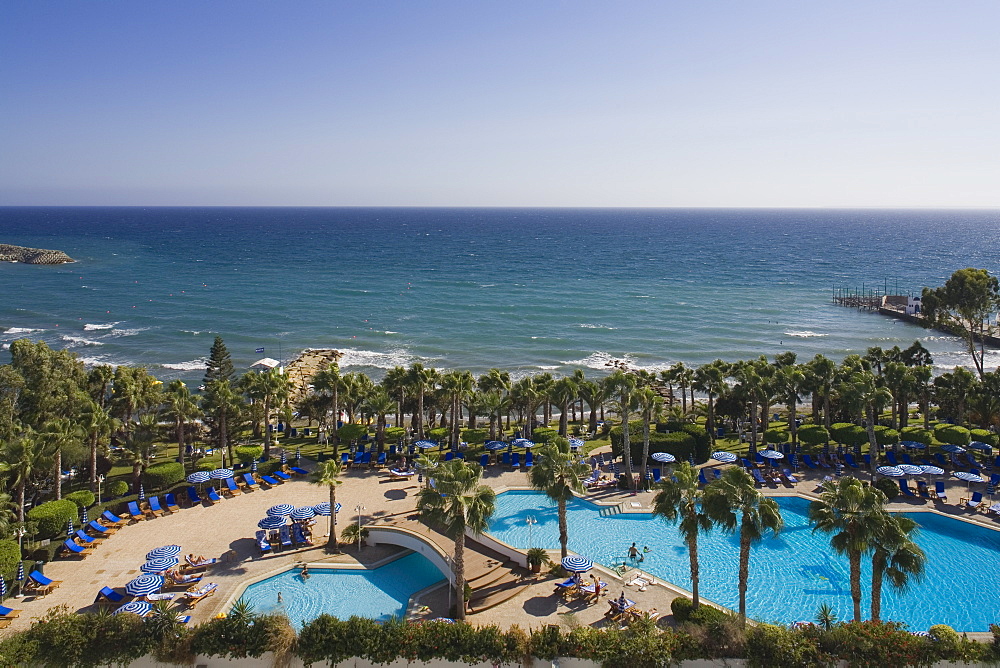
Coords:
301,370
10,253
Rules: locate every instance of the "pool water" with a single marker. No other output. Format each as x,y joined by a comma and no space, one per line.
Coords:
791,575
380,594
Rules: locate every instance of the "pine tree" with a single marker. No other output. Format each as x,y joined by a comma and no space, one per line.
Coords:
220,364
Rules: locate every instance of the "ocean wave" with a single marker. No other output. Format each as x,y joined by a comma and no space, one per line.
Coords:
587,325
128,332
193,365
804,334
91,326
22,330
379,360
193,332
548,367
79,340
643,296
389,332
5,346
98,360
600,360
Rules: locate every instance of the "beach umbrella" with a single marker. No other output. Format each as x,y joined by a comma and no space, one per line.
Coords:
495,445
576,442
142,493
724,457
165,551
298,454
69,528
523,443
221,474
144,585
979,445
324,508
443,620
3,589
771,454
691,459
253,466
199,477
271,522
159,564
20,571
955,449
140,608
664,457
892,471
424,445
969,478
910,469
284,458
303,513
912,445
932,470
577,564
85,519
280,510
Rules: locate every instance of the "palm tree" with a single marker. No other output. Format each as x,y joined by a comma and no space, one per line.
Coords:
421,380
22,459
458,385
328,382
456,503
560,475
789,382
182,407
329,475
680,498
595,394
394,383
895,557
97,424
497,381
379,404
710,379
849,510
55,435
650,407
624,388
821,372
222,406
270,388
734,501
140,447
564,392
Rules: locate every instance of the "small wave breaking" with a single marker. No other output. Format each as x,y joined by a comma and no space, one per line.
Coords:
804,334
79,340
95,326
193,365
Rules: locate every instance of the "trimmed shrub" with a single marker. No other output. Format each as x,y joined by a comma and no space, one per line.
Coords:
117,488
681,608
917,435
951,433
775,436
854,436
439,433
248,453
839,431
680,444
52,517
888,487
885,435
475,436
351,431
10,555
160,476
706,615
944,634
394,433
543,434
768,645
813,434
82,498
984,435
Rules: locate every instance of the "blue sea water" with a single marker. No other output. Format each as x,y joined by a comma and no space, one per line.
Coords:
790,575
524,289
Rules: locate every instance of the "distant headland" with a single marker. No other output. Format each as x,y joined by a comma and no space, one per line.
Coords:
10,253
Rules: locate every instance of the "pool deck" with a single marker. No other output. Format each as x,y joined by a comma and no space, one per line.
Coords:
226,530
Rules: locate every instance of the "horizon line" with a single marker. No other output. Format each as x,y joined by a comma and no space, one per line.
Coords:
508,206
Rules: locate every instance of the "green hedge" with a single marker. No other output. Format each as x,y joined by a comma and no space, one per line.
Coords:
248,453
775,436
118,488
10,555
544,434
82,498
813,434
984,435
475,436
161,476
681,444
917,435
885,435
849,434
951,433
52,517
394,433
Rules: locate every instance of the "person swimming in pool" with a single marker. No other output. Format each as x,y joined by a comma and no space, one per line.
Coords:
633,552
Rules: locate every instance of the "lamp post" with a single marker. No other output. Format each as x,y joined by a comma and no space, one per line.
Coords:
20,531
100,480
531,522
359,508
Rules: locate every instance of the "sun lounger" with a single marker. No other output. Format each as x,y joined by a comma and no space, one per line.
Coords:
107,595
615,611
113,520
249,482
70,547
890,457
515,460
9,613
37,582
159,597
154,506
193,598
904,487
809,462
233,488
212,495
171,503
942,462
271,482
995,509
976,502
262,544
529,460
301,471
193,496
567,587
284,476
101,530
286,536
133,510
923,490
505,459
345,460
449,456
83,538
702,480
906,459
758,478
398,474
788,477
176,579
380,462
939,488
484,460
849,458
656,475
299,536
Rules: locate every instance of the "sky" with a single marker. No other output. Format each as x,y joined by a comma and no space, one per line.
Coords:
712,103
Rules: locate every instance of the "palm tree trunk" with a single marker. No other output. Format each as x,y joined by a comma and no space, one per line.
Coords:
563,528
645,447
693,560
826,410
58,465
458,568
179,427
792,406
878,571
136,476
267,432
744,571
420,414
20,501
627,449
855,562
331,542
563,419
93,463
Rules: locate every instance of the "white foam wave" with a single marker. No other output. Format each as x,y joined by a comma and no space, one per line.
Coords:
101,359
92,326
587,325
22,330
389,332
79,340
643,296
804,334
193,365
194,332
600,360
5,346
378,360
128,332
548,367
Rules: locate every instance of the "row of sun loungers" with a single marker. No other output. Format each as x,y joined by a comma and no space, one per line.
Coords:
287,537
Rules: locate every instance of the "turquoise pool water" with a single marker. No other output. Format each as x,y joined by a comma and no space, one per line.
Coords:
377,594
791,575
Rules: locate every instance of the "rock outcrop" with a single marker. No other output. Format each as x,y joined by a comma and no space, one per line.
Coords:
301,370
10,253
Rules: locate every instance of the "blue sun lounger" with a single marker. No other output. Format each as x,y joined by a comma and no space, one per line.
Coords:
213,496
171,502
849,458
939,490
39,582
890,457
758,478
942,462
249,481
113,519
702,480
262,544
99,528
975,501
515,460
284,476
193,496
449,456
154,505
286,536
133,510
906,459
904,487
345,459
272,482
70,546
484,460
378,462
656,475
233,488
807,460
529,460
84,538
788,475
109,595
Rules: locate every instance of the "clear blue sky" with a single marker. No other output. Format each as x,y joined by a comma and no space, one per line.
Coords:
513,103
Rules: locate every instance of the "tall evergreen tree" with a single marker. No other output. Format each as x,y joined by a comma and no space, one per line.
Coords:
220,364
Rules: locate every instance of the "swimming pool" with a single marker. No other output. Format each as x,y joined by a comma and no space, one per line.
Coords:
791,575
377,594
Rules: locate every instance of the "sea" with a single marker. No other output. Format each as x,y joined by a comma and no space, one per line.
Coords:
527,290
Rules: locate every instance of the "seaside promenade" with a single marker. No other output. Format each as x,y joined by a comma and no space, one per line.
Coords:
226,531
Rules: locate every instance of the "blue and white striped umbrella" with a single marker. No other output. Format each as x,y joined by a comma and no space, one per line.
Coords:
577,564
956,449
3,588
932,470
199,477
20,571
69,528
253,466
724,457
140,608
298,454
159,564
523,443
772,454
144,585
912,445
221,474
979,445
968,477
271,523
142,493
423,445
85,519
324,508
284,458
164,551
495,445
891,471
280,510
910,469
576,442
303,513
664,457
